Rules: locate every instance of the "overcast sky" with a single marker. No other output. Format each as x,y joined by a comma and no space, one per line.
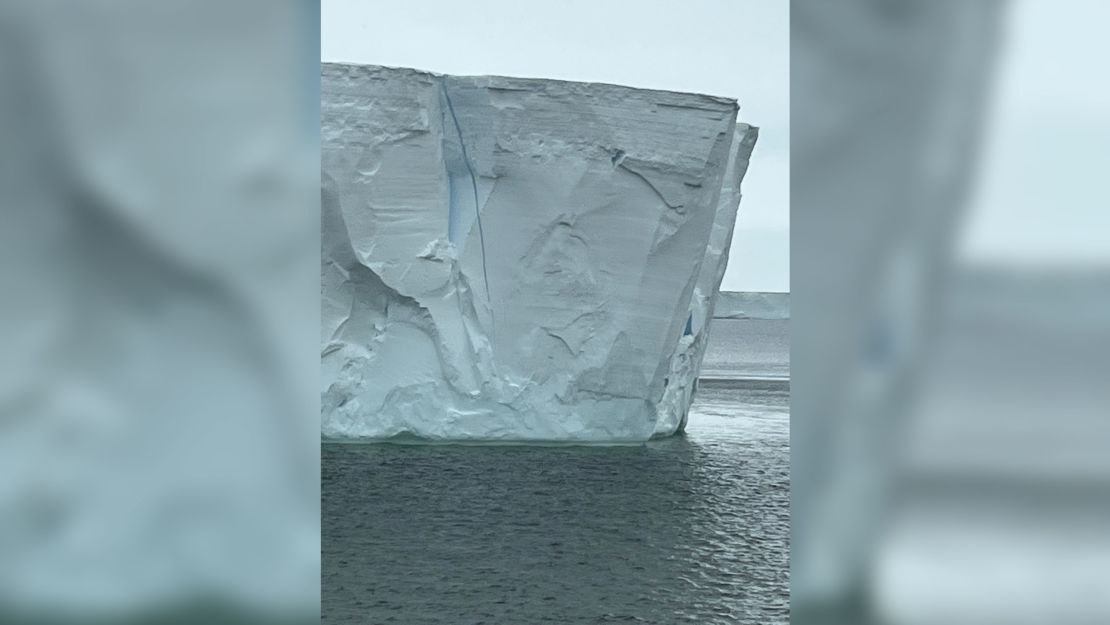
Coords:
1041,197
736,48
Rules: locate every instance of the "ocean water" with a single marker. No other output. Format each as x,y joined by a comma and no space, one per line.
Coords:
748,347
690,529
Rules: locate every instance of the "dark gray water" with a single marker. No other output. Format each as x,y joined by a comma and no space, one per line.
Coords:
740,347
691,529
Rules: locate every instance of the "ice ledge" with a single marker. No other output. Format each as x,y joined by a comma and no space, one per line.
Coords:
511,259
337,74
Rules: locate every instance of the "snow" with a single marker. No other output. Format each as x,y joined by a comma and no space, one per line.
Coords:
510,259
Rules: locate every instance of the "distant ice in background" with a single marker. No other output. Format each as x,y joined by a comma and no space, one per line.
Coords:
950,326
743,305
159,447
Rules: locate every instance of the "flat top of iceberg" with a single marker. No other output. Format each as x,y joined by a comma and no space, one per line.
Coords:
364,71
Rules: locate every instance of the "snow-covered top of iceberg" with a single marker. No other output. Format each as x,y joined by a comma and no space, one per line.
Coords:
337,73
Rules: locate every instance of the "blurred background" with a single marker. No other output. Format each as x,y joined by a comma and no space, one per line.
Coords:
950,269
951,312
159,429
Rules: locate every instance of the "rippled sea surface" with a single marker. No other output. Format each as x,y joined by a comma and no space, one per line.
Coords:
748,347
690,529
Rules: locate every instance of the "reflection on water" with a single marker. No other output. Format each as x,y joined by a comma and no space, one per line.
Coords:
688,529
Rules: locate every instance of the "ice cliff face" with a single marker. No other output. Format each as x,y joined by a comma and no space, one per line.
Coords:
518,259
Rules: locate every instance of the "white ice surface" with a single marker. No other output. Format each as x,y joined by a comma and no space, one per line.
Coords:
512,259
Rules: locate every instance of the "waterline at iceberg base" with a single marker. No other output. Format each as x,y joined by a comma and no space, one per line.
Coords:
510,259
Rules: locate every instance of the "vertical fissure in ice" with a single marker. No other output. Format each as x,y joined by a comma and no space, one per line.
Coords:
474,186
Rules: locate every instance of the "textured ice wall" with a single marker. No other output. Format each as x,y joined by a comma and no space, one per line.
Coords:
518,259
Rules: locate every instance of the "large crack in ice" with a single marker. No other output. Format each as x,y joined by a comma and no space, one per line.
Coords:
669,203
474,187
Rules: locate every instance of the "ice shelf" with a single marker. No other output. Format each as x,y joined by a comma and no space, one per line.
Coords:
745,305
510,259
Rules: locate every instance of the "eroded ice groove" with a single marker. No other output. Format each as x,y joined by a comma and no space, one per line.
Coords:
518,259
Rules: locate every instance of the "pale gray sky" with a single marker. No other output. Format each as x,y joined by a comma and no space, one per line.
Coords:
736,48
1041,196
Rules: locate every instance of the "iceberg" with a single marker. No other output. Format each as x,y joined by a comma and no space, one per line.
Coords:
510,259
